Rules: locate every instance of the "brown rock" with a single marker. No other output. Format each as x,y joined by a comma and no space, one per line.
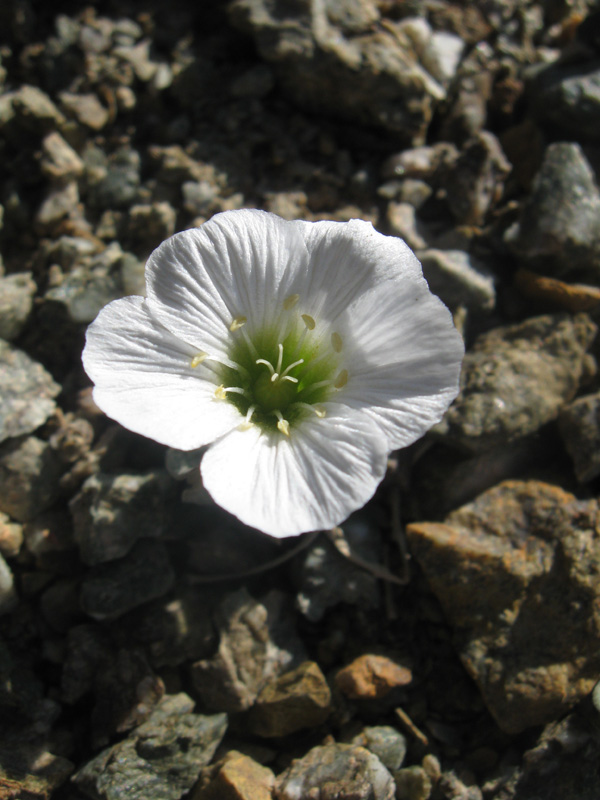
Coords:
370,677
516,572
569,296
237,777
295,700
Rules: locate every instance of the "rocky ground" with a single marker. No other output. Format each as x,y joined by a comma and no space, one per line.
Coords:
446,643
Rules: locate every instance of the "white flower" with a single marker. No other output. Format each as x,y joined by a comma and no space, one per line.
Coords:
304,352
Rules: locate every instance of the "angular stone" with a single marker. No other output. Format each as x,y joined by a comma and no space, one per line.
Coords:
11,537
29,478
293,701
517,378
370,677
86,108
257,642
579,425
373,78
27,393
388,744
348,772
567,96
236,777
110,590
160,760
59,160
16,302
557,233
35,110
111,512
515,572
8,594
458,280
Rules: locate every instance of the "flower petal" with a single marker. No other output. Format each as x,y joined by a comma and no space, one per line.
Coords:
144,380
350,258
314,479
405,358
238,264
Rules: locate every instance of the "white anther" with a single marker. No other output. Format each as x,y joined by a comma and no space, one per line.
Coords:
198,359
336,342
282,424
237,323
291,301
309,321
279,358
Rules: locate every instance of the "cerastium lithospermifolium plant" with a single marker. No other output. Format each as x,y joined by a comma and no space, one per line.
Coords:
303,351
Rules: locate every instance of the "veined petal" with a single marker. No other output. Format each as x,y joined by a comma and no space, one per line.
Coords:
238,264
350,258
406,358
144,379
314,479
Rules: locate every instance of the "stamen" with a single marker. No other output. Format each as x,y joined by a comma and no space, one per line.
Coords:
282,424
336,342
237,323
309,321
198,359
279,358
318,410
267,364
341,380
291,301
247,423
289,378
221,391
290,367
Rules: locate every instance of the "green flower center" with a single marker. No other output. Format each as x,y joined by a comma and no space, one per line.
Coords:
279,375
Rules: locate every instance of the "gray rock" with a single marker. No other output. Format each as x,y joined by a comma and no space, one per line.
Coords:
161,760
257,642
111,512
515,573
517,378
373,78
60,202
563,765
110,590
458,279
441,55
349,772
567,98
16,302
29,477
557,233
388,744
92,284
11,537
325,578
403,222
352,16
579,425
118,188
139,57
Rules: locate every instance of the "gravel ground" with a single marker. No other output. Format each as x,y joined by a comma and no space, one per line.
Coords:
445,642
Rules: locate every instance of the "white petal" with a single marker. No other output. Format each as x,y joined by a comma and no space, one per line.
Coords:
349,259
238,264
401,349
143,379
314,479
406,363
